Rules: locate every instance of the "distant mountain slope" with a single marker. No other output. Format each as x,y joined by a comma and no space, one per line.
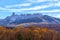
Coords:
28,18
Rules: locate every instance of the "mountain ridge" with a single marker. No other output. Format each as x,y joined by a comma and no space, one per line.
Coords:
28,18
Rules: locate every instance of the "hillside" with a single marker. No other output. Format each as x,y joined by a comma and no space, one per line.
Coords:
29,33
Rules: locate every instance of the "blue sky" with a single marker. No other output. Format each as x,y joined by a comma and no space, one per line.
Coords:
47,7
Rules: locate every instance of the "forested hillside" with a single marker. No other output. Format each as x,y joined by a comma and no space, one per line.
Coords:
29,33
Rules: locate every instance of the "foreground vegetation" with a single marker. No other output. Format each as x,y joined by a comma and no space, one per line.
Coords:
29,33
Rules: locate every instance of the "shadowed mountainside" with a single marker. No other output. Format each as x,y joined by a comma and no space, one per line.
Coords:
15,19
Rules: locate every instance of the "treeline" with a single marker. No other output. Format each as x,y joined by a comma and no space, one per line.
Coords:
29,33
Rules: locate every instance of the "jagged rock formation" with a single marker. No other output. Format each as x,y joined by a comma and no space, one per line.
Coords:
28,18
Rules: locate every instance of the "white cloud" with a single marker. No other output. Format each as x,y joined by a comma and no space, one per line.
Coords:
25,9
41,0
50,11
33,11
1,8
18,5
45,11
58,16
38,7
35,8
57,3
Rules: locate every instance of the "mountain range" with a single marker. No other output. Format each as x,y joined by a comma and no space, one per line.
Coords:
28,19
